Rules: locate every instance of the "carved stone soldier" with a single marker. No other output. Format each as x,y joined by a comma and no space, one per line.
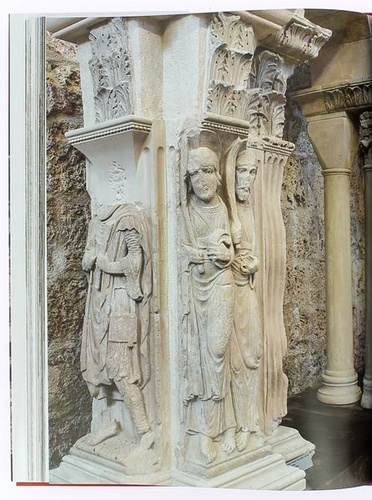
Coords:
114,351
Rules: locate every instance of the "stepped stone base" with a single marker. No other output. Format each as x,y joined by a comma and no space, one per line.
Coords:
278,464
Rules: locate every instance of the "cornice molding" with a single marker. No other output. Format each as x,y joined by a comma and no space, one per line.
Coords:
354,97
109,128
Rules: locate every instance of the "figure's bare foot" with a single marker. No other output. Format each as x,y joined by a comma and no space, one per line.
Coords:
207,448
104,432
242,440
148,439
228,443
256,439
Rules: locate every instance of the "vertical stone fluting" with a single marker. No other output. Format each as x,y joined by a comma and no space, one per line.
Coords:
366,153
334,139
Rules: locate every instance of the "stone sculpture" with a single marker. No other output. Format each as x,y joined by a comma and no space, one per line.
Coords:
246,341
209,253
114,354
213,397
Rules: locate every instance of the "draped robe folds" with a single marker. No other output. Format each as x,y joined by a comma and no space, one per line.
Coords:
116,322
211,295
246,341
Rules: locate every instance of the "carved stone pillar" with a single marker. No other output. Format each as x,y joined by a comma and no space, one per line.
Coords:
334,138
366,157
175,111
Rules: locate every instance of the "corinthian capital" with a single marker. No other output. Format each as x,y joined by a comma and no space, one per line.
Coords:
299,40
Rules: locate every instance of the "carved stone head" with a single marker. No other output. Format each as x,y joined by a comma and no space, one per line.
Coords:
203,173
245,174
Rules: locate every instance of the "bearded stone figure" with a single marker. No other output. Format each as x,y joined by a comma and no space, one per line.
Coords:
246,342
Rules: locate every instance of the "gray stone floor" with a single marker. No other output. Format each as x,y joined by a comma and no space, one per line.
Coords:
343,439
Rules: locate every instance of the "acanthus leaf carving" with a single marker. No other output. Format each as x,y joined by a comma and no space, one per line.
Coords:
226,100
233,45
276,108
230,66
348,97
299,41
110,70
268,77
230,30
267,72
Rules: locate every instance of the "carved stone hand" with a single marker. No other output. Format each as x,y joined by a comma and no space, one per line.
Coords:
89,261
218,253
104,263
195,255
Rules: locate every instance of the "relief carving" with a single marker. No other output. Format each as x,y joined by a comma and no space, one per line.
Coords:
209,253
117,180
110,70
246,339
233,45
299,40
115,345
268,84
235,392
349,97
267,73
230,30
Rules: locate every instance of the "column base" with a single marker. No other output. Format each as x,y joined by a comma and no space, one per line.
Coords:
339,389
366,401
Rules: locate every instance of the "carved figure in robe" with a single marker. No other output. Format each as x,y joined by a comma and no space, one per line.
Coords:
246,341
114,354
211,294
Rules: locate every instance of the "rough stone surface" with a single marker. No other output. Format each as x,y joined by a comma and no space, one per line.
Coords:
304,300
358,267
67,221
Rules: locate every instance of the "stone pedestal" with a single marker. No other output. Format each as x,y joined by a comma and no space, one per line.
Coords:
183,336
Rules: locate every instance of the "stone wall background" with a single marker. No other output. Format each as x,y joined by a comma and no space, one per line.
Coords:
67,220
68,213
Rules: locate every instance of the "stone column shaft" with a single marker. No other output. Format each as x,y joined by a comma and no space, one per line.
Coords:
334,139
338,271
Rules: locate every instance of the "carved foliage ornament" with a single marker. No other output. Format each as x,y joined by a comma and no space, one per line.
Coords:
349,97
233,45
268,84
110,70
230,30
299,41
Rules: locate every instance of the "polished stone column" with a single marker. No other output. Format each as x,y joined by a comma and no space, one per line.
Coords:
366,152
334,138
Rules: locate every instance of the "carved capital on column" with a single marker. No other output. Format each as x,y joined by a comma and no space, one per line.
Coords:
343,98
233,45
348,97
268,84
299,40
110,70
